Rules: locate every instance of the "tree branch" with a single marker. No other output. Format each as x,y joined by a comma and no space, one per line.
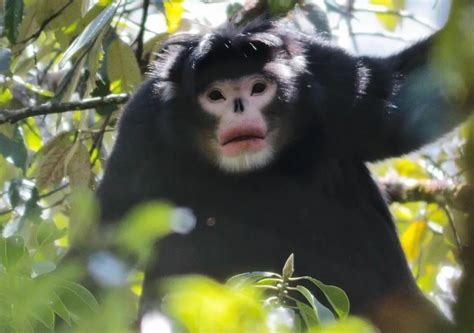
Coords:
441,192
12,116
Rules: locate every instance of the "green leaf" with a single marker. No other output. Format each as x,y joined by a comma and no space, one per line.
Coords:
173,13
78,300
350,325
83,215
13,17
60,309
47,232
69,14
94,61
249,278
307,313
50,167
289,267
42,267
12,250
8,173
87,37
31,134
78,167
29,25
310,298
44,315
122,68
13,146
281,7
143,226
69,83
389,21
5,96
5,60
335,296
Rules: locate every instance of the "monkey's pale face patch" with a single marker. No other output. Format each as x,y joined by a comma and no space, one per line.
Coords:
242,141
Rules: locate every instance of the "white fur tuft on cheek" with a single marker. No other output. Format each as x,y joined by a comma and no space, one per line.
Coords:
246,161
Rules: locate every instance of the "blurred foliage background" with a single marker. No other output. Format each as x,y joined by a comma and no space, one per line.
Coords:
66,66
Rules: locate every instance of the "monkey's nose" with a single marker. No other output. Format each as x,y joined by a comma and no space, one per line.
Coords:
238,105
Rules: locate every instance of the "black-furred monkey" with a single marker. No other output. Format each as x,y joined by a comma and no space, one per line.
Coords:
266,131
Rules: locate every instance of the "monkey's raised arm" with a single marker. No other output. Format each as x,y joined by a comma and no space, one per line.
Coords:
399,104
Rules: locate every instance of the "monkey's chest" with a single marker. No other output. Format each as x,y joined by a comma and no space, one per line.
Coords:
285,204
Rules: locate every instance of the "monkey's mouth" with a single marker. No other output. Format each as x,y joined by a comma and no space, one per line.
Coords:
242,140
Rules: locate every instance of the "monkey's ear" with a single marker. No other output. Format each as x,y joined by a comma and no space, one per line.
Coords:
172,56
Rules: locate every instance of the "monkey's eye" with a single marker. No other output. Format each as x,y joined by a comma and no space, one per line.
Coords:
215,95
258,88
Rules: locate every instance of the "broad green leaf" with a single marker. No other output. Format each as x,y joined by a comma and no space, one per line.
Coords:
48,146
32,136
47,232
310,298
5,96
12,250
8,172
122,68
173,12
34,88
32,210
87,37
78,301
42,267
50,168
44,315
83,216
29,25
94,61
335,296
69,14
60,309
13,17
411,239
143,226
281,7
153,43
203,305
410,168
5,61
249,278
14,147
78,166
69,83
389,21
350,325
309,316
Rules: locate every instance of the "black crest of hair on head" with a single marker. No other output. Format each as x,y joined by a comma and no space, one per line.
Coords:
259,46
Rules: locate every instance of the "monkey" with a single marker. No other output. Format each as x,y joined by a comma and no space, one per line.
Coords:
264,132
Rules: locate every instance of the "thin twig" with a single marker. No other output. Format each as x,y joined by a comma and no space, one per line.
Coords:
97,143
59,188
12,116
401,13
6,211
141,32
449,214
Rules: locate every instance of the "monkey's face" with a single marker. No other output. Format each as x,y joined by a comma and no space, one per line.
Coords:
243,138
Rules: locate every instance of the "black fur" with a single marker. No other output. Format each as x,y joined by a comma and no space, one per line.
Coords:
317,199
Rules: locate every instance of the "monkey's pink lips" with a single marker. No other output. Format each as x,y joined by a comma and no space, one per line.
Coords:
237,141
